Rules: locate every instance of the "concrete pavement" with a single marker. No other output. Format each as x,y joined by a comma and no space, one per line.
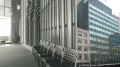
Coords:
16,56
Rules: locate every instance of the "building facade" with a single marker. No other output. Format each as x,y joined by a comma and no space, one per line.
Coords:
118,20
98,19
114,40
55,22
83,45
85,27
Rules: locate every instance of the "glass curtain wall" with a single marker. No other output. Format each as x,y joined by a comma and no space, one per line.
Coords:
5,8
5,20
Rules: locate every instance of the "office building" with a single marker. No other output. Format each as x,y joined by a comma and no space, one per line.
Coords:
118,20
97,18
114,40
83,45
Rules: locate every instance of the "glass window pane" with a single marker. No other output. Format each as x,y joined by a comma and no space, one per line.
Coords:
85,48
85,34
79,33
80,48
1,2
85,41
7,3
1,11
79,40
7,11
79,56
85,56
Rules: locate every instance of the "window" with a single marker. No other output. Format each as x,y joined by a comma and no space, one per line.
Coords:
1,11
80,48
85,34
79,33
85,56
85,49
1,2
79,40
8,3
5,7
85,41
7,11
79,56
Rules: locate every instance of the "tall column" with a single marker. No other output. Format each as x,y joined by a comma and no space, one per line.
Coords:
49,20
69,23
53,27
36,23
23,21
62,21
30,24
65,22
57,23
15,20
75,24
27,22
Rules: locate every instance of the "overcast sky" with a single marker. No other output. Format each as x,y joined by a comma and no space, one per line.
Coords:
114,5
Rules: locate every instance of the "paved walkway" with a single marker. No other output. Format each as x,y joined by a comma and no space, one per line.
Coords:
16,56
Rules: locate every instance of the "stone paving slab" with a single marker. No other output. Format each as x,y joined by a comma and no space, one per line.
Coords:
16,56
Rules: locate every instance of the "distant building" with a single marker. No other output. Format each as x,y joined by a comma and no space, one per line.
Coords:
83,45
118,20
97,18
114,41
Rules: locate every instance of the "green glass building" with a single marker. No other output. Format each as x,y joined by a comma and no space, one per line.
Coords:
98,19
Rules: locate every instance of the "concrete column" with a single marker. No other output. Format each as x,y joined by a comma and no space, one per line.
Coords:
31,23
75,27
57,23
53,23
27,22
69,23
62,21
49,20
15,20
36,24
23,22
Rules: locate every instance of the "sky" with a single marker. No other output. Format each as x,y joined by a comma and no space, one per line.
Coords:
114,5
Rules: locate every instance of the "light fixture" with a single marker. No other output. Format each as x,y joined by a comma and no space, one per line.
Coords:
18,7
